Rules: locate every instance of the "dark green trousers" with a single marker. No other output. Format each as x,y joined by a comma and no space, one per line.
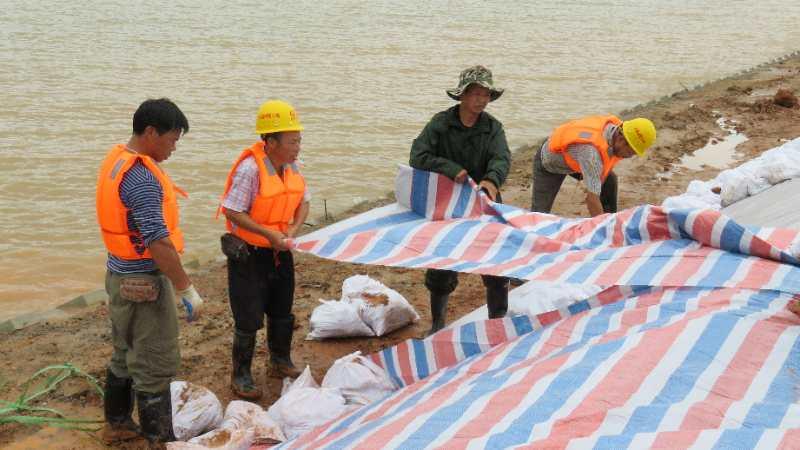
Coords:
144,335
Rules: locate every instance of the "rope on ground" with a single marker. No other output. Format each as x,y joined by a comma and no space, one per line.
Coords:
23,412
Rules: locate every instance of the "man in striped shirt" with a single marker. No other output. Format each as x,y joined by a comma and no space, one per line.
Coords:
588,149
138,216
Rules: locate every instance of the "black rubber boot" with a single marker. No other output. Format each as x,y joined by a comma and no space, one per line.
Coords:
241,378
438,312
279,341
155,416
118,407
497,300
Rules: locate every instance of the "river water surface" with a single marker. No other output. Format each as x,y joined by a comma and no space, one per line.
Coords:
364,77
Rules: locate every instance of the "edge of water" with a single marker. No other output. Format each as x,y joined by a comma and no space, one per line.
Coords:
98,296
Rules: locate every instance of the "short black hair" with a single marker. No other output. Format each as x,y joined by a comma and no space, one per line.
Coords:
161,114
276,136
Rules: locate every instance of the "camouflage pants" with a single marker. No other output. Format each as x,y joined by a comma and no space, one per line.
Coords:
144,334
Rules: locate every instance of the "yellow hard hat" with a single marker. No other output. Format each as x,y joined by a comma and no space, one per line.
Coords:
640,134
275,116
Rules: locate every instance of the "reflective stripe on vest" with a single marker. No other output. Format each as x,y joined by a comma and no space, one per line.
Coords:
588,130
277,199
112,215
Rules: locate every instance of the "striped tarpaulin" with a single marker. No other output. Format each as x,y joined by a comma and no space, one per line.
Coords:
690,345
664,368
439,224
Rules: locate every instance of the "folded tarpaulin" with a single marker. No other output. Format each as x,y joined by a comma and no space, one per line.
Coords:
439,224
689,345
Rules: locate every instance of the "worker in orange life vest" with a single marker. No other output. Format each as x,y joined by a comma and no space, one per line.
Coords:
137,211
588,149
265,203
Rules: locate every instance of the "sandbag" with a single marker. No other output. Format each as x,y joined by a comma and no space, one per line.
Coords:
778,172
336,319
219,439
383,318
360,380
355,286
750,178
242,415
245,424
383,309
304,408
737,186
195,410
304,380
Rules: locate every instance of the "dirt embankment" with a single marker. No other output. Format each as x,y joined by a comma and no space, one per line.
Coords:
686,121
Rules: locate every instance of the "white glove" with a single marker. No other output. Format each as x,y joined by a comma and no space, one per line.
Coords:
192,301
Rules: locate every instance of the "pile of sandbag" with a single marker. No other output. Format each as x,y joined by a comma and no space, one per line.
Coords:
367,308
351,382
245,424
754,176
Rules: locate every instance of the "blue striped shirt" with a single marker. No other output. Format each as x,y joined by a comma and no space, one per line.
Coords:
141,193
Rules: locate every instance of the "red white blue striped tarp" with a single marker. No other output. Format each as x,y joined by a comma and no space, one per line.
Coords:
690,345
440,224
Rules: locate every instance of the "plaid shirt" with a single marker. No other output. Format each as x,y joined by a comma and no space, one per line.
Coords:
245,186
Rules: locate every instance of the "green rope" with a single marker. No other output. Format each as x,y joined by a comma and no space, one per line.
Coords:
13,412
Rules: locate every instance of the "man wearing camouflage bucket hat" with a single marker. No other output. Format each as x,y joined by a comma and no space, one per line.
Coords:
459,142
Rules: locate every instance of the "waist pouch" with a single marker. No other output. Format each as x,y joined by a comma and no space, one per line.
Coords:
234,247
139,289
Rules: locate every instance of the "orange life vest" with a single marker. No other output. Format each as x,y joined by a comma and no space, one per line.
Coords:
112,215
588,130
276,201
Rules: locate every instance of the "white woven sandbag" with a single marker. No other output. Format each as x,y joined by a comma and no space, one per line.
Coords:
195,410
360,380
336,319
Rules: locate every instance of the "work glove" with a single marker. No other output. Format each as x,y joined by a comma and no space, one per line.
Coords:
191,300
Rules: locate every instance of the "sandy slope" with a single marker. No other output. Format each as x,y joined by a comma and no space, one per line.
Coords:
686,121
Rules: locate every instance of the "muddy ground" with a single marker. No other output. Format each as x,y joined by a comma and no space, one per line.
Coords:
686,121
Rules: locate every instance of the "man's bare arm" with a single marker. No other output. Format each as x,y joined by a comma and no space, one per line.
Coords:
594,205
168,261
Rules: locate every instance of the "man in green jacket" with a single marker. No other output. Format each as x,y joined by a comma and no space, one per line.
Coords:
459,142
